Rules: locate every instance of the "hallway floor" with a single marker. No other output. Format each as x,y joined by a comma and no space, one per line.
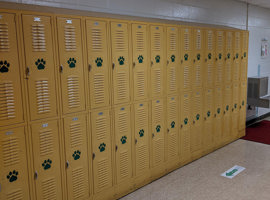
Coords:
201,180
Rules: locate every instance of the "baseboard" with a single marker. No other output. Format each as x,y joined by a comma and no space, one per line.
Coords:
256,119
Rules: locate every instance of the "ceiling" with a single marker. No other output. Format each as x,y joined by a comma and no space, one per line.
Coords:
261,3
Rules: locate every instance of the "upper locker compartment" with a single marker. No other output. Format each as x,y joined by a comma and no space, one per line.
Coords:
40,66
71,64
220,40
140,61
244,55
157,60
120,62
209,72
98,65
236,56
11,111
172,59
228,57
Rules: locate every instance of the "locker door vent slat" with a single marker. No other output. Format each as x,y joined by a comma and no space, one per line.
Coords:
78,183
158,111
101,126
173,145
142,158
186,107
172,111
43,96
123,165
140,41
48,188
10,152
172,80
159,148
15,195
244,38
122,83
157,81
157,41
198,40
46,142
198,78
73,91
187,74
97,38
229,41
70,38
210,69
7,101
120,43
186,41
220,41
142,118
99,88
140,83
103,173
237,41
210,40
173,41
4,38
38,38
219,72
76,136
123,123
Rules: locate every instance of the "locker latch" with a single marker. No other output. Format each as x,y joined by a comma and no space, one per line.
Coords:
36,175
136,141
93,156
116,147
27,72
61,68
89,67
153,135
67,164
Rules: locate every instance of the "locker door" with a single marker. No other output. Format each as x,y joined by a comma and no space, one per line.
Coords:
120,60
157,132
157,60
11,111
98,64
45,140
40,66
76,157
244,55
13,166
226,112
172,60
218,119
71,64
197,125
185,120
186,59
220,40
235,110
236,56
140,64
141,113
172,129
242,105
209,72
198,48
123,143
102,150
208,136
228,57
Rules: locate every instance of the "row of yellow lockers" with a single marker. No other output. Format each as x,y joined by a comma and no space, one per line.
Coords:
108,153
71,64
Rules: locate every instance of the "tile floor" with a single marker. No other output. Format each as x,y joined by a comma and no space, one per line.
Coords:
201,180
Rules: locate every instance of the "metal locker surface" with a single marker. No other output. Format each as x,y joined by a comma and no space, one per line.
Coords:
209,69
227,106
244,55
208,113
228,57
218,115
219,65
235,109
242,105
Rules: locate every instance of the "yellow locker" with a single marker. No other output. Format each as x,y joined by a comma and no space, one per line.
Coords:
140,58
185,120
227,101
209,69
220,41
40,66
173,62
141,132
71,64
244,55
236,56
122,128
11,111
218,116
186,58
98,63
102,150
198,55
235,110
47,175
242,105
208,126
120,62
228,57
172,155
76,153
157,60
13,167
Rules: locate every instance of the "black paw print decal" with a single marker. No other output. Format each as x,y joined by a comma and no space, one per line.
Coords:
219,56
185,121
208,113
245,54
228,55
121,60
124,139
235,105
186,57
40,63
12,176
172,124
227,107
47,164
99,61
243,103
71,62
237,55
157,58
198,56
4,66
102,147
76,155
158,128
140,59
141,133
197,117
209,56
173,58
218,110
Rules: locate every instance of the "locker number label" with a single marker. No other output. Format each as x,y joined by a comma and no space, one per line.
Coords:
37,19
45,125
69,21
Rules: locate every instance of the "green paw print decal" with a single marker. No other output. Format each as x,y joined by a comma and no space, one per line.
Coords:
123,139
208,113
228,55
71,62
102,147
227,107
99,61
173,58
198,56
47,164
197,117
4,66
219,56
243,103
121,60
186,57
40,63
245,54
173,124
12,176
141,133
235,105
218,110
158,128
209,56
76,155
237,55
157,58
185,120
140,59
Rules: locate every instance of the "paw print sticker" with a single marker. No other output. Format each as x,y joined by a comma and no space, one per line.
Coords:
12,176
186,57
4,66
40,63
227,107
198,56
76,155
197,117
121,60
219,56
243,103
209,56
228,55
140,59
173,58
141,133
158,128
235,105
208,113
185,121
237,55
173,124
245,54
47,164
102,147
124,139
71,62
157,58
218,110
99,61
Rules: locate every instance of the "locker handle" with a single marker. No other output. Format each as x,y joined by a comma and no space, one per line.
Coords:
116,147
224,112
113,65
89,67
93,156
241,57
205,59
225,59
134,64
61,68
232,109
215,115
181,126
136,141
181,61
153,135
240,107
194,60
216,59
205,118
67,164
193,121
168,130
152,63
35,175
27,72
167,62
233,58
